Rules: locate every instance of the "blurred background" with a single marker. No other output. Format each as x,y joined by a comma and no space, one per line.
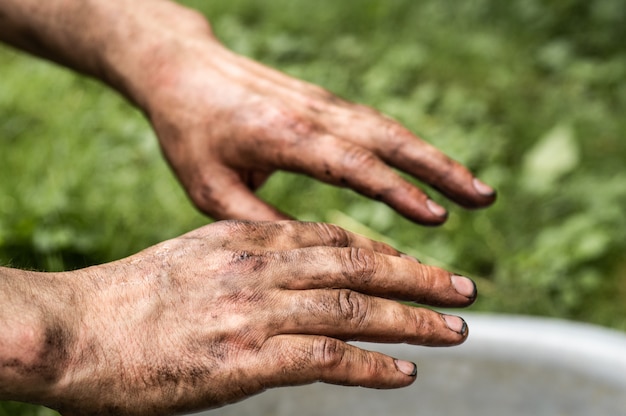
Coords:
530,94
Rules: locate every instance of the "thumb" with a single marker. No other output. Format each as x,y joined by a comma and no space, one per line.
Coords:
222,194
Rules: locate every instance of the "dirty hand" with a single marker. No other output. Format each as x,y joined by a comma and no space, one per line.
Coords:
226,123
234,308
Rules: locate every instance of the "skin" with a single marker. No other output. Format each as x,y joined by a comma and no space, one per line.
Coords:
279,123
233,308
219,314
226,123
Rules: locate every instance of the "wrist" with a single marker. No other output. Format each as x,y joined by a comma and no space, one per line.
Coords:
121,42
147,43
38,318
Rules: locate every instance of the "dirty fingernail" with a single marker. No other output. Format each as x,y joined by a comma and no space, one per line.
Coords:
455,324
435,208
406,367
483,188
464,286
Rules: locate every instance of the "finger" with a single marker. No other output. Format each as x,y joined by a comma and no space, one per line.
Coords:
386,138
342,163
290,235
401,149
375,274
397,146
221,194
308,359
349,315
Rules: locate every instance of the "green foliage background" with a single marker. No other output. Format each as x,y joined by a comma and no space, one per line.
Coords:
530,94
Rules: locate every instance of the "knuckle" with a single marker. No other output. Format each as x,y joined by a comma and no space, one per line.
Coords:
358,158
373,368
445,172
302,127
290,131
430,278
249,262
400,140
332,235
352,307
398,133
327,353
359,264
292,122
424,326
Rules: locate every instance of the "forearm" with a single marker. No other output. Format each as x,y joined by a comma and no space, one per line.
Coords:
119,41
34,334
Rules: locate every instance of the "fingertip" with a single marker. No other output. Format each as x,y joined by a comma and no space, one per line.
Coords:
464,287
486,194
425,212
437,209
467,191
456,324
406,367
429,220
483,189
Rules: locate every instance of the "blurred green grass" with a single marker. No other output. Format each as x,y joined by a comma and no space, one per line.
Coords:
531,95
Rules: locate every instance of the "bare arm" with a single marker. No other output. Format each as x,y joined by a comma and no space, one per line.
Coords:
226,123
118,42
219,314
35,330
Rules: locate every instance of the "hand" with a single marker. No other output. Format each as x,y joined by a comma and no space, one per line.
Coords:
234,308
226,123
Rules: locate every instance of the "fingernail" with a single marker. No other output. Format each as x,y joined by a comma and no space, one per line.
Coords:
464,286
435,208
411,258
455,324
482,188
406,367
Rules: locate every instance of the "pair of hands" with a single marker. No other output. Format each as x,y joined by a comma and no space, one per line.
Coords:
233,308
